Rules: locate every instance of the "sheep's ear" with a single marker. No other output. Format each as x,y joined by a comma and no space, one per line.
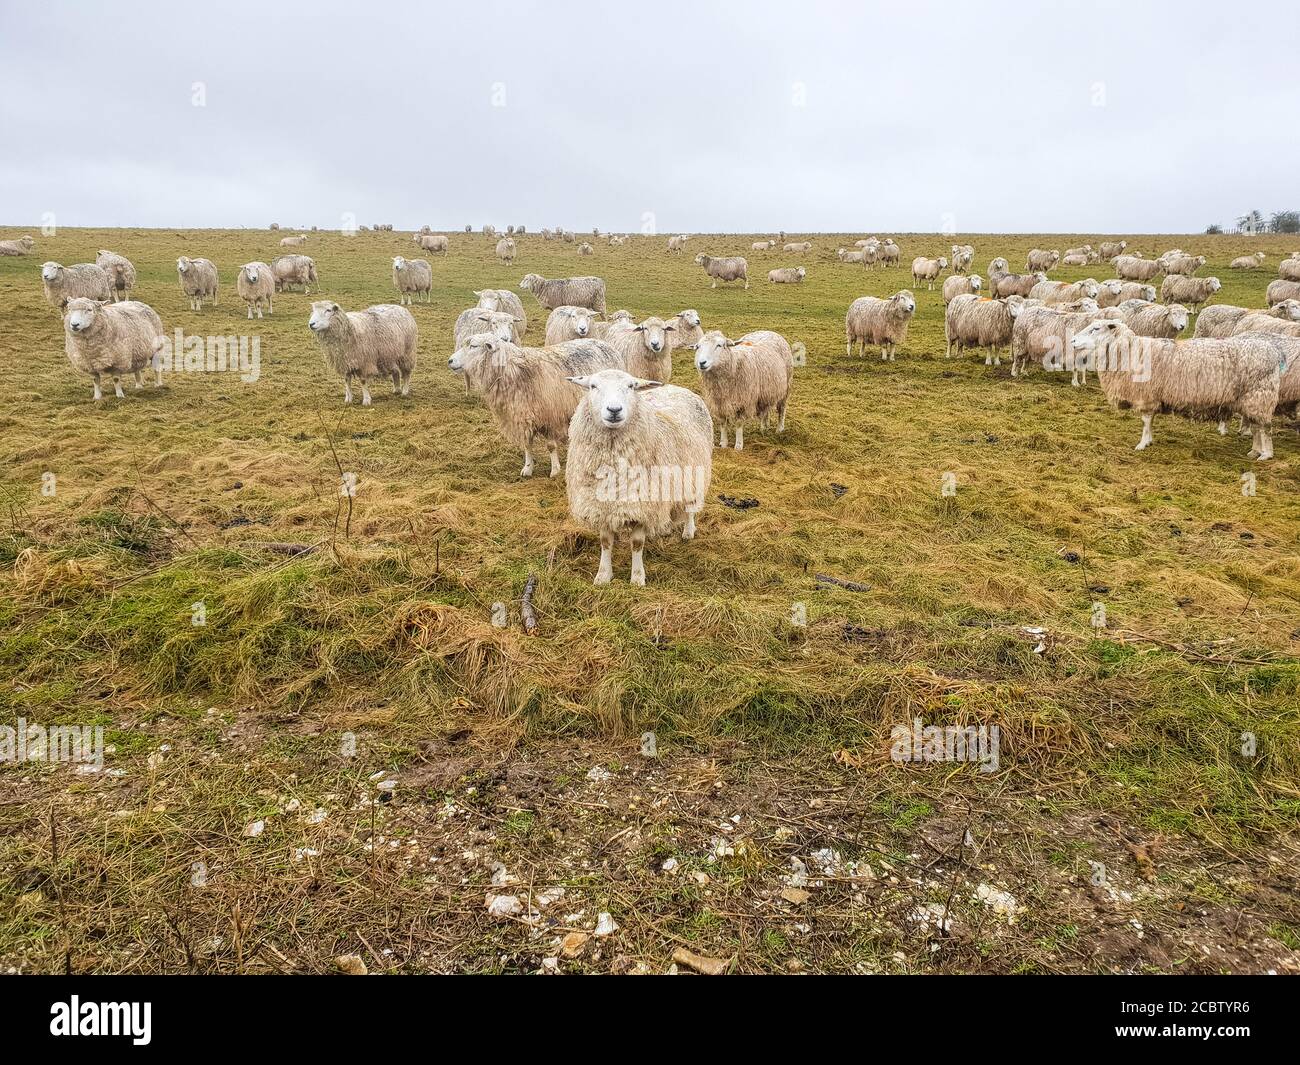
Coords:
642,385
581,382
670,329
638,329
335,307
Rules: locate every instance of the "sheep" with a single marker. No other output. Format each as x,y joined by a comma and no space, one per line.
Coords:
1200,378
730,268
411,277
502,299
255,284
377,342
1266,322
433,242
489,231
586,249
1135,268
1111,248
744,379
114,339
566,291
1221,319
963,256
1248,262
1192,291
616,241
998,267
1043,334
1014,284
890,254
1280,290
646,349
973,321
677,243
798,246
1075,259
21,246
762,245
687,331
1054,292
1039,261
290,270
1289,269
787,275
63,283
198,279
528,390
846,256
961,285
275,226
1112,292
1164,321
505,250
640,462
1287,349
475,320
293,242
871,320
1181,264
121,273
1082,252
927,270
570,323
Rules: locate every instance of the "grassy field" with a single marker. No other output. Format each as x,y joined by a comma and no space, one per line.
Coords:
1125,821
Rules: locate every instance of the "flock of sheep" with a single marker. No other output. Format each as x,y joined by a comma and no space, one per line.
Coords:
639,447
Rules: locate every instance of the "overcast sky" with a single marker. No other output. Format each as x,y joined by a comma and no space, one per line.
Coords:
748,115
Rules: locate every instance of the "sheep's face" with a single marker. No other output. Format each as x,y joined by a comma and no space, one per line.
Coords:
1214,285
690,319
323,314
1289,310
1014,305
654,334
252,274
999,266
976,282
51,271
1178,317
479,346
399,263
182,264
1113,287
1094,334
489,299
500,324
581,320
612,395
712,351
904,302
530,281
1090,288
699,259
79,314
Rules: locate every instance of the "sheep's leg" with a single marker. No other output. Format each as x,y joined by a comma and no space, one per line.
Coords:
780,413
347,387
397,382
139,381
250,312
270,307
527,471
98,393
1223,428
365,391
848,345
688,530
117,387
406,383
1146,440
722,435
740,436
554,450
638,561
1266,439
605,573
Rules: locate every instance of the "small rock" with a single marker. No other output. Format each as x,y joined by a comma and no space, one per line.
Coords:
698,962
351,965
795,895
573,944
504,905
255,829
605,925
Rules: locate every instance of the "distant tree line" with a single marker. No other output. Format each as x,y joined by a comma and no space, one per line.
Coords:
1255,222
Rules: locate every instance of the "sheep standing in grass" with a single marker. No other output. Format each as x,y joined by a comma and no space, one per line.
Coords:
1056,292
120,271
963,257
1289,269
198,278
1112,292
871,320
255,284
646,349
1041,262
640,461
1191,291
432,242
687,330
787,275
1161,320
961,285
927,270
566,291
475,320
1182,264
1005,285
113,339
970,321
377,342
1221,319
1042,334
528,391
570,323
745,379
998,267
1111,248
618,321
1202,378
290,270
81,280
411,278
1135,268
21,246
727,268
1280,290
502,299
890,254
586,249
677,243
1266,322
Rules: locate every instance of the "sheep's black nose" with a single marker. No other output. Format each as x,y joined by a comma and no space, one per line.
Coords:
614,411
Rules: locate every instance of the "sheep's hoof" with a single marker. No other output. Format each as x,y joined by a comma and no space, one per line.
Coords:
638,579
1141,447
603,578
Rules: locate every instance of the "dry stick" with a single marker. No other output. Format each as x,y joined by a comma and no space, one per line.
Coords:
329,438
852,586
526,611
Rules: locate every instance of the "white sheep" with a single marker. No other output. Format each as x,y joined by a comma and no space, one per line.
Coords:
646,349
63,283
432,242
970,321
290,270
640,461
617,322
1154,319
1289,269
725,268
586,249
380,341
872,320
798,247
687,330
21,246
1182,264
528,390
120,271
1199,378
1280,290
787,275
506,250
1267,322
198,280
502,299
1135,268
677,243
293,242
1055,292
411,278
1042,334
569,323
255,284
1041,262
1248,262
1005,285
1190,291
890,254
1221,320
566,291
1111,248
745,379
114,339
927,270
961,285
963,257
